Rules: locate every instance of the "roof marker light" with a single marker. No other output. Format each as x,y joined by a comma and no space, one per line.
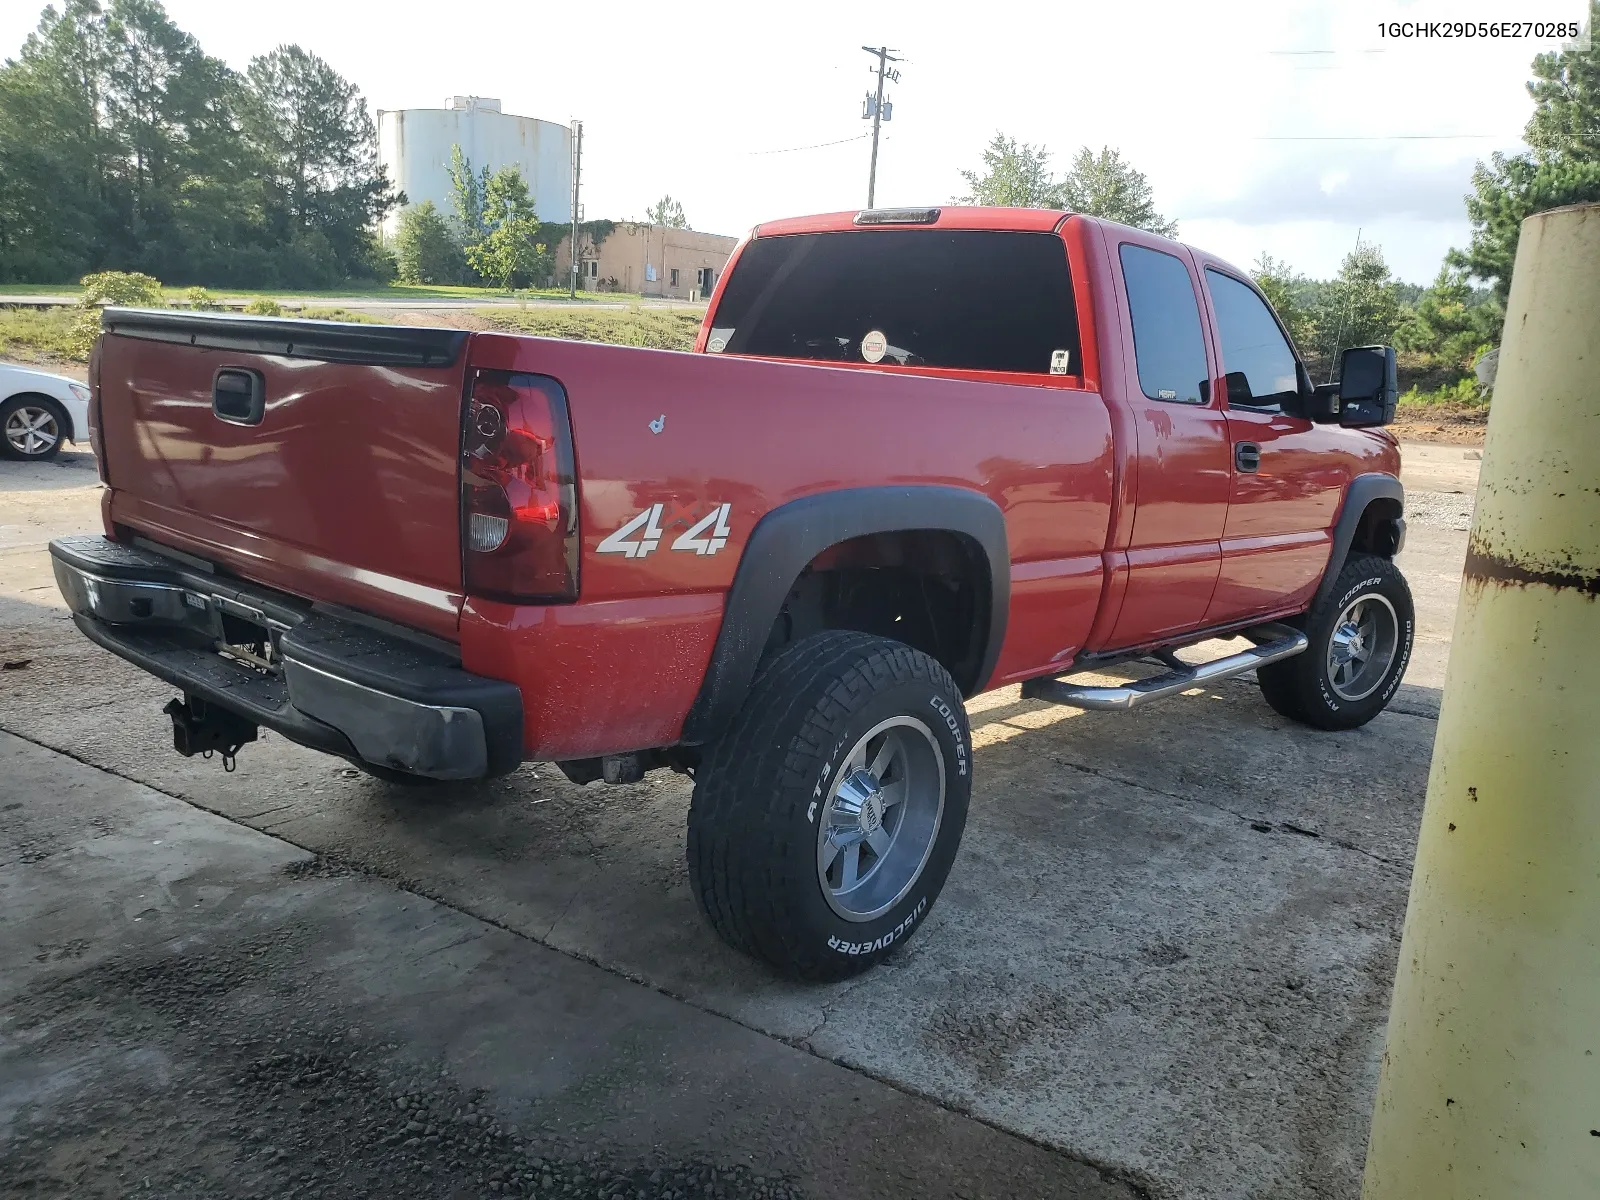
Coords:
897,216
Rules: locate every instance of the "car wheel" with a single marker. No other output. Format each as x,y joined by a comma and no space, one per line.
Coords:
825,821
1360,643
32,428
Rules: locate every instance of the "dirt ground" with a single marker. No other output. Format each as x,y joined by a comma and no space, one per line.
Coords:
1161,966
1450,426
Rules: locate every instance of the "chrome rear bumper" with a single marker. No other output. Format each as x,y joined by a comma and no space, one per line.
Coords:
333,683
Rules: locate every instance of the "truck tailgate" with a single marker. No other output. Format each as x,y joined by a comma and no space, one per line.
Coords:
339,483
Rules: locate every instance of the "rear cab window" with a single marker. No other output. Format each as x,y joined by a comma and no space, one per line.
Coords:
1169,347
958,299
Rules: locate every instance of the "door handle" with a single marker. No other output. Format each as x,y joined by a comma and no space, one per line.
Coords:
1247,456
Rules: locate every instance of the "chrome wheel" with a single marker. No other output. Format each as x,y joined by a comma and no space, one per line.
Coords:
32,430
881,820
1362,647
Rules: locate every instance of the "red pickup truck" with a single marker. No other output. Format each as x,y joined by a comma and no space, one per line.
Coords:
916,454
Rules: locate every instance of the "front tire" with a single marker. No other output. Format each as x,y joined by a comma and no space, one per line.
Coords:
1360,643
825,822
32,428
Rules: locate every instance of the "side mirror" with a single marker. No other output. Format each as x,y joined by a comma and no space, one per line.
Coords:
1368,390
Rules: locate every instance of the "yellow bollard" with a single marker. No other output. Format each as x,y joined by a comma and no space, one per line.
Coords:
1490,1084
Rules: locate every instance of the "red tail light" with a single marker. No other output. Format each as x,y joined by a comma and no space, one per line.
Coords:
519,511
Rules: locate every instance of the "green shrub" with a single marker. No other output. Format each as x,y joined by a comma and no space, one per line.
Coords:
427,249
201,300
1462,393
261,306
125,289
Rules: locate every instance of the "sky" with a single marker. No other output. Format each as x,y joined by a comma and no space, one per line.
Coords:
1288,127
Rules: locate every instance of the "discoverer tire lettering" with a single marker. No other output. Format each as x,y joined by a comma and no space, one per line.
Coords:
763,791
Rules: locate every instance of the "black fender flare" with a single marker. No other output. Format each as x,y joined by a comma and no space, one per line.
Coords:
785,541
1363,490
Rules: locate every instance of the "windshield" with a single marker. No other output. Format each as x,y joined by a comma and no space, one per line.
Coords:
975,300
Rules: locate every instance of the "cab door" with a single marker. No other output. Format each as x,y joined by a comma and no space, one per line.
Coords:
1181,456
1287,473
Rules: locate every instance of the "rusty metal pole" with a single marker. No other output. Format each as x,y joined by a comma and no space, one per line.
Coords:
1490,1084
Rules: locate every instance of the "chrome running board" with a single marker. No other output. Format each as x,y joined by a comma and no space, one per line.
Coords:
1281,642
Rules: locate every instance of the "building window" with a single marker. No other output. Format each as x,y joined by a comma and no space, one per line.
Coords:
705,277
674,276
594,268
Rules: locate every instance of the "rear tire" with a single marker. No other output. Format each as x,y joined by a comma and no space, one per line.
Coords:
1360,643
825,821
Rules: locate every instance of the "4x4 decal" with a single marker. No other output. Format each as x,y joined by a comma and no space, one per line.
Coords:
644,531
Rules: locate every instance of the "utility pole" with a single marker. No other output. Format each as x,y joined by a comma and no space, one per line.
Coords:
874,109
577,174
1489,1072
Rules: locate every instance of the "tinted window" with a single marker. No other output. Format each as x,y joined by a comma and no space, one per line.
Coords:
968,299
1256,358
1168,346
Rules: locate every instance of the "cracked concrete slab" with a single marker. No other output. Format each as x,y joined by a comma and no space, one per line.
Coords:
159,962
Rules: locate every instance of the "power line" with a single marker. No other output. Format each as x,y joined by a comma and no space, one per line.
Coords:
814,146
1381,137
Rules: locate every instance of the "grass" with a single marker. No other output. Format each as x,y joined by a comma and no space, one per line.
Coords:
391,291
336,314
654,328
42,336
1458,401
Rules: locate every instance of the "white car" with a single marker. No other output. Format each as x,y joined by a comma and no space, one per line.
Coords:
39,412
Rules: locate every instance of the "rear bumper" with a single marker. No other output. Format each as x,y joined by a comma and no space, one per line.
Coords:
343,686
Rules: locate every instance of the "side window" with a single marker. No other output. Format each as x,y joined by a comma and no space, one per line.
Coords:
1168,345
1257,362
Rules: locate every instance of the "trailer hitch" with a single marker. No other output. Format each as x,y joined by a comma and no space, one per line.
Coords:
205,729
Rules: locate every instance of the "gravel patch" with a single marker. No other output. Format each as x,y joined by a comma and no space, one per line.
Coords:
1440,510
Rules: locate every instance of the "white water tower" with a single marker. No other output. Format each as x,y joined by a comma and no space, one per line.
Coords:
414,146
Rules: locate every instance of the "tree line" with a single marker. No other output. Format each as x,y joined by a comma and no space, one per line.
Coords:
493,234
124,146
1441,329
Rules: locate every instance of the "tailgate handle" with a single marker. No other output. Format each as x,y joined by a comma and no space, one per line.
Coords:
239,396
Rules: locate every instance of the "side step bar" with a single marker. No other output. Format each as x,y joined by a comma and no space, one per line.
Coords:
1281,642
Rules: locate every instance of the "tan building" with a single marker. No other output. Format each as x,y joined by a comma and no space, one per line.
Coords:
653,260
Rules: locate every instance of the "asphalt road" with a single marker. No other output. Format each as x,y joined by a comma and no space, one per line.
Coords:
1160,968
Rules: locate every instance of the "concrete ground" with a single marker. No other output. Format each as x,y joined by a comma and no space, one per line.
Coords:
1160,968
